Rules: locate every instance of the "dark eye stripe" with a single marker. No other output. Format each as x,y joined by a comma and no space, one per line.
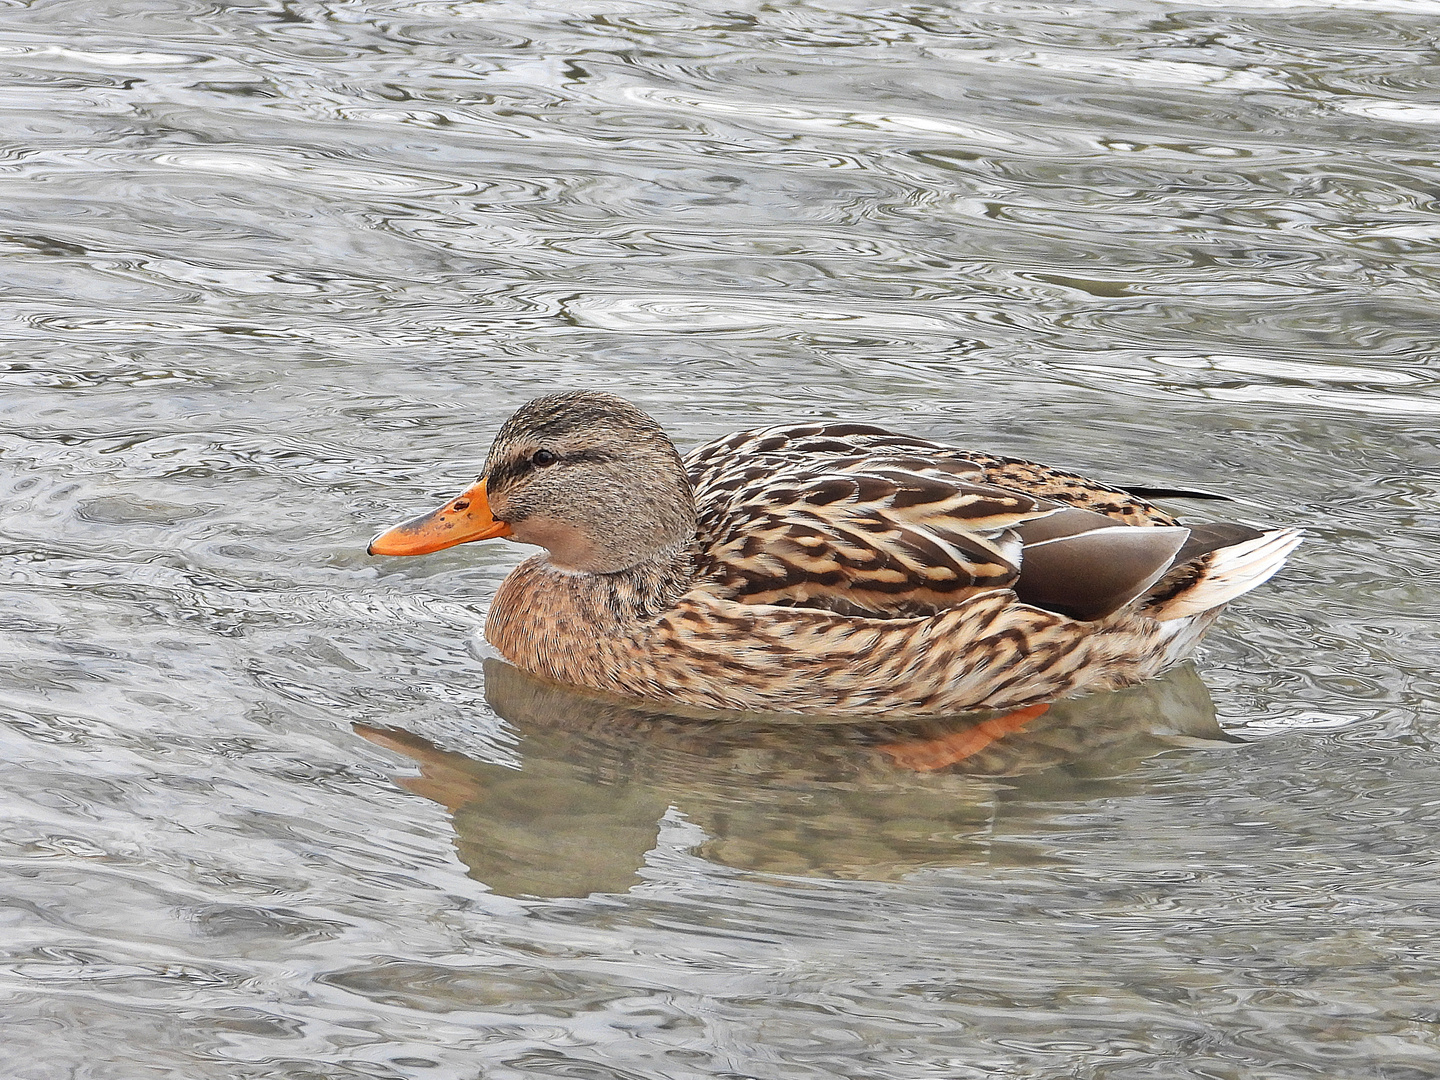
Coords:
591,456
511,471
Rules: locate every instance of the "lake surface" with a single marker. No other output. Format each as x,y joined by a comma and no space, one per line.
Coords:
274,272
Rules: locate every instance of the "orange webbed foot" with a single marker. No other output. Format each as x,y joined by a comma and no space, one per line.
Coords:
928,755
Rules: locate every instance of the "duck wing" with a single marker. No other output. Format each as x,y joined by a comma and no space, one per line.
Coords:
861,521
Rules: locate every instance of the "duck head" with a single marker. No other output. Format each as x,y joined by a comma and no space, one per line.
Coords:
585,475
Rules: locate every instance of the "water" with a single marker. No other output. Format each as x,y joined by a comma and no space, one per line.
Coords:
274,272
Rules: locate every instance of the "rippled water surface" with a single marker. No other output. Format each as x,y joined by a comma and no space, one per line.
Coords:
275,270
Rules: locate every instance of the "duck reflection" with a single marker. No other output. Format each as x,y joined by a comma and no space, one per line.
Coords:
774,794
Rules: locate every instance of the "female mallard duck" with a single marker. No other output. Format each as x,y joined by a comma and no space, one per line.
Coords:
827,568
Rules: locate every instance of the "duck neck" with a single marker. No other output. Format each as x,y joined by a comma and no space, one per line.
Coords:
544,617
645,590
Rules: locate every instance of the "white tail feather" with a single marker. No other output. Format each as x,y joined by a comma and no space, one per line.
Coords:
1233,571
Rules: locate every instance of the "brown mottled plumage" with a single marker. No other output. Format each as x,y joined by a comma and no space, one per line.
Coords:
828,568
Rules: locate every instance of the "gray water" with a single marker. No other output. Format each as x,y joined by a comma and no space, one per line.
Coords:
274,270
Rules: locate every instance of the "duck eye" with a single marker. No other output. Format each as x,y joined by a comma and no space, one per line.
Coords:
543,457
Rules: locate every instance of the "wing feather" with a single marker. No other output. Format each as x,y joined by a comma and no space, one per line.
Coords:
862,521
853,519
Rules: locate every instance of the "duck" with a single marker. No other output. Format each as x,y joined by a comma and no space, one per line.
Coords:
828,568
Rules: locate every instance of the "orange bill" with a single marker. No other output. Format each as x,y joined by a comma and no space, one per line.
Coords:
464,518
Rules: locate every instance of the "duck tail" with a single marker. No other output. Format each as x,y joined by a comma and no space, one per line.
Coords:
1219,576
